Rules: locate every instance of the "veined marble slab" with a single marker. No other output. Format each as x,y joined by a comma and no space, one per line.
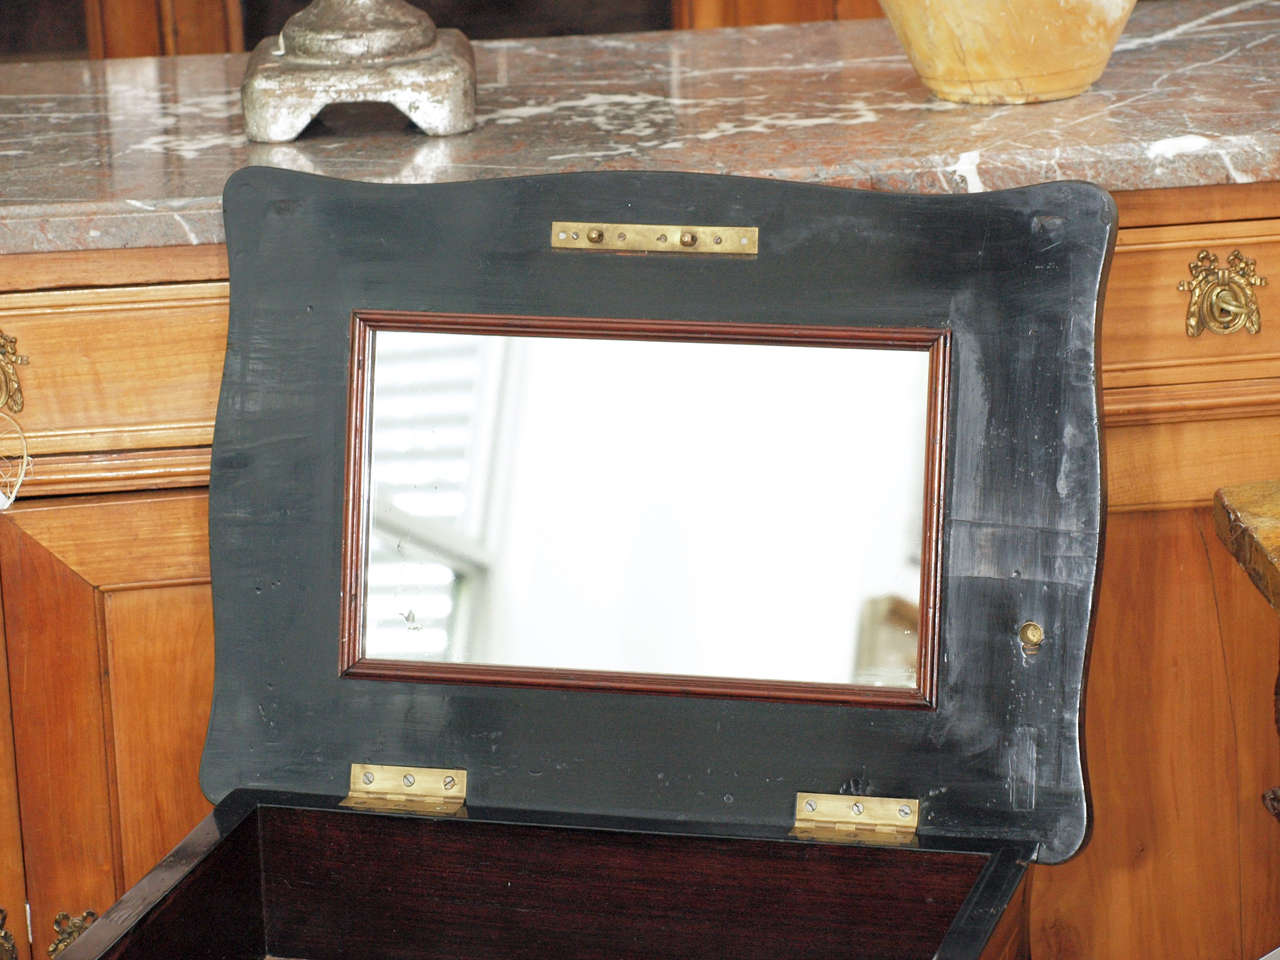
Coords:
133,153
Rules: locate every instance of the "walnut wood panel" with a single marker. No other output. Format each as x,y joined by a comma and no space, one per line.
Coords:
146,28
123,542
858,9
118,369
701,14
1180,747
13,881
69,824
201,26
160,655
1213,204
105,268
1180,464
110,723
496,890
1249,633
1181,402
125,470
123,28
1144,338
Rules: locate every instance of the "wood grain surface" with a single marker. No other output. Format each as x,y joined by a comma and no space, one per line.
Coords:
126,368
70,822
107,618
492,890
13,881
161,663
1180,746
1178,465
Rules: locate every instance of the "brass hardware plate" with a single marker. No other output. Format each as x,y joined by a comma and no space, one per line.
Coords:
1222,299
68,929
10,360
429,790
889,821
654,238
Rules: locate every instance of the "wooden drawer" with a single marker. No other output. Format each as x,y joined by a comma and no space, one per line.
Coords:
1186,414
1144,339
121,385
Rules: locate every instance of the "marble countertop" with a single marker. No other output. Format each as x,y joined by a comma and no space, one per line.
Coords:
133,153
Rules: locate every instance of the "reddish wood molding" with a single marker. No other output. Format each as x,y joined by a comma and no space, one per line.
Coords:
364,325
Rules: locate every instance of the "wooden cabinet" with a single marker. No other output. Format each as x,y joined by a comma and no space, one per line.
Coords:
109,647
108,633
109,636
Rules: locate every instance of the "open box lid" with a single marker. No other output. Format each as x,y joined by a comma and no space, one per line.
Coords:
1009,283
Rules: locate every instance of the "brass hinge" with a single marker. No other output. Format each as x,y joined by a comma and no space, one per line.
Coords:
654,238
836,817
428,790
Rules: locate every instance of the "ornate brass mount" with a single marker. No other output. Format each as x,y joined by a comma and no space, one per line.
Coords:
68,928
10,389
8,949
1222,300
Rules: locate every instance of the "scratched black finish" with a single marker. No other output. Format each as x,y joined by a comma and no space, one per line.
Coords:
1015,275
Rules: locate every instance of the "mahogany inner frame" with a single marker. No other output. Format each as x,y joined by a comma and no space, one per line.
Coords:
353,663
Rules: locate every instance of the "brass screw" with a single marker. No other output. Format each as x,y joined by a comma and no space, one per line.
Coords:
662,238
857,809
904,811
688,238
408,780
810,805
450,783
1032,636
595,235
367,778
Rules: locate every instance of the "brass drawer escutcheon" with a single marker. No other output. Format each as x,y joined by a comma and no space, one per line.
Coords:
1222,299
68,928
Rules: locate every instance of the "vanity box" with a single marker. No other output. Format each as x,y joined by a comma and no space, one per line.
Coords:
880,732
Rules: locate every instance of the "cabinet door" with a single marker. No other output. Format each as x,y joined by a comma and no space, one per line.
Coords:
108,623
1182,861
13,883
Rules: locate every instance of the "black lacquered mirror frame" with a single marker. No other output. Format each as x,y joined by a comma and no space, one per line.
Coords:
354,663
1014,277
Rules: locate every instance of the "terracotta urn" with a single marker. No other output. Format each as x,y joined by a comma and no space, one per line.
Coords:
997,51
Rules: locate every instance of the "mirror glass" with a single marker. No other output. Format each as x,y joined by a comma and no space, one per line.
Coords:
699,509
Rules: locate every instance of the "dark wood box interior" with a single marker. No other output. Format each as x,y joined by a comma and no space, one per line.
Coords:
298,882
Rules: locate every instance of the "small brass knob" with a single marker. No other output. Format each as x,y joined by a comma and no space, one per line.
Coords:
1032,636
595,235
688,238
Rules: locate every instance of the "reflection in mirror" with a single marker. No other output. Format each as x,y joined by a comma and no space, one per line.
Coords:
733,510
